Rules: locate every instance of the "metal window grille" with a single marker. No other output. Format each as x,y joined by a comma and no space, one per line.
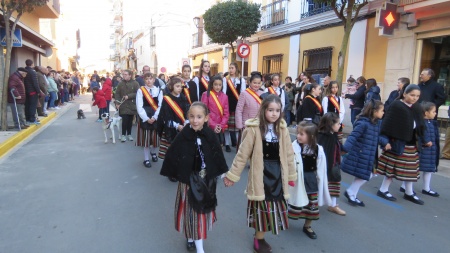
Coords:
317,61
152,37
274,14
272,64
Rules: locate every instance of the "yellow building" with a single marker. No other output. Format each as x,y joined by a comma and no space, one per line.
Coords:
295,36
34,45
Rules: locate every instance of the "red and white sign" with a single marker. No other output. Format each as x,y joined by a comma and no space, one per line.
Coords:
163,70
243,50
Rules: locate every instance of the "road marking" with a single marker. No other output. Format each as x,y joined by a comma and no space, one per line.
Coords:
375,197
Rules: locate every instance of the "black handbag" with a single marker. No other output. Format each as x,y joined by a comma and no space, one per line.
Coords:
335,174
202,190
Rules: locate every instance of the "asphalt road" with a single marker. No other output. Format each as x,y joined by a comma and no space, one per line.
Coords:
67,191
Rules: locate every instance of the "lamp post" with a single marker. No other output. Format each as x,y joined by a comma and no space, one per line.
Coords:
198,22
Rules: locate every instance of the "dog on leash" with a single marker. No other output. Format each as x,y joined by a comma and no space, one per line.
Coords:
110,123
80,114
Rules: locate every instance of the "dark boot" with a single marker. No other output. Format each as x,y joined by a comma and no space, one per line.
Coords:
261,246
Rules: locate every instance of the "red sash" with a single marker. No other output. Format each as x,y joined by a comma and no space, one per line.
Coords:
204,82
186,93
232,88
254,95
175,107
272,90
216,100
335,103
319,106
149,98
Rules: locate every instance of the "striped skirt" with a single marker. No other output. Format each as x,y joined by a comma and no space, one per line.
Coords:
267,215
232,122
192,224
308,212
404,167
334,188
164,144
146,138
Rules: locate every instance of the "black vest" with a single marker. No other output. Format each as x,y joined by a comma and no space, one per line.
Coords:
192,91
232,101
271,150
146,105
331,107
309,162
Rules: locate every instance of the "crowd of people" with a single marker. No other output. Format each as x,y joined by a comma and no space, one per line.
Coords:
190,122
204,116
33,91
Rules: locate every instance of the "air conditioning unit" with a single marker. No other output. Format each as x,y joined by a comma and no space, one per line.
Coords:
437,40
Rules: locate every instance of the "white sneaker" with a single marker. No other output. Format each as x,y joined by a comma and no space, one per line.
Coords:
57,108
123,138
130,138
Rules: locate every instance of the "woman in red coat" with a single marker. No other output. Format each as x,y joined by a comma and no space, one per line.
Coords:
99,101
107,89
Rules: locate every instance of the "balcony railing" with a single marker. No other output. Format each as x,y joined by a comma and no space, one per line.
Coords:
274,14
406,2
311,8
56,6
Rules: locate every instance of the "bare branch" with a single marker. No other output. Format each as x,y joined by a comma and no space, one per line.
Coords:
341,11
358,9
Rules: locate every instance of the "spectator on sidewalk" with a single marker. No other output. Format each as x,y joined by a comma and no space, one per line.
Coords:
125,99
15,84
395,94
43,85
52,90
32,93
75,83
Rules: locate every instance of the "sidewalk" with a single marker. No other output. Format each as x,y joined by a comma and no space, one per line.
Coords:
13,139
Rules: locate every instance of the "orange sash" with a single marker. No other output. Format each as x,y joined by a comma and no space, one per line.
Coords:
232,88
272,90
204,82
186,93
319,106
335,103
149,98
254,95
175,107
216,100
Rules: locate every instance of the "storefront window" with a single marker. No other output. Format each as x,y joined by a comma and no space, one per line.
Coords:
436,55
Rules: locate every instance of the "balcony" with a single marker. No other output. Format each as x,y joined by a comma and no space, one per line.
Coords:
274,14
50,10
406,2
311,8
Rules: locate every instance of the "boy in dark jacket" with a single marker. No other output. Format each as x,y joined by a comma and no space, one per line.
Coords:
99,101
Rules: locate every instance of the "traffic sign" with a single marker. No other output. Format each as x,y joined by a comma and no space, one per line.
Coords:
163,70
243,50
185,61
16,37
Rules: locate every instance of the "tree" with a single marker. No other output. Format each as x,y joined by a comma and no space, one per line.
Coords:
347,11
10,7
228,21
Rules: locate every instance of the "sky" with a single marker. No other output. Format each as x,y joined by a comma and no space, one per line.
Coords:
94,18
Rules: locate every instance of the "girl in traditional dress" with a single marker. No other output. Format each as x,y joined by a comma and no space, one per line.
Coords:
189,87
334,103
217,103
172,115
202,80
328,139
233,86
202,160
265,143
311,109
311,160
275,88
148,103
402,127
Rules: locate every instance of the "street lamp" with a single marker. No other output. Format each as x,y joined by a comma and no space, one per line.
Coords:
196,22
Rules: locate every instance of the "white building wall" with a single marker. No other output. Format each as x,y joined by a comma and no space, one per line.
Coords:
254,56
294,42
356,50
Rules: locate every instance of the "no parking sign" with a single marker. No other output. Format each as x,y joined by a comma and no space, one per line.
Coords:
243,50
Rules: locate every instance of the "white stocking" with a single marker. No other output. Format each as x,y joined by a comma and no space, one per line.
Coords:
146,153
227,138
385,185
409,188
353,189
426,180
199,246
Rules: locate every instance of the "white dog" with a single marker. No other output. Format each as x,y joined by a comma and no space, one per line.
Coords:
109,123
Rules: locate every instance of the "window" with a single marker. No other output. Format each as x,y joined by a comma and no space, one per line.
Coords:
311,7
214,69
318,61
152,37
272,64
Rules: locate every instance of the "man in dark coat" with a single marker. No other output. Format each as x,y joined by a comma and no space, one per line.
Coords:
32,93
43,85
16,87
430,90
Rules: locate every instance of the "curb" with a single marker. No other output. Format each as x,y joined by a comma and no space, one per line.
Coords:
22,135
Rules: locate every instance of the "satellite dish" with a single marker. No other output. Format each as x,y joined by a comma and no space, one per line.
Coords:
48,51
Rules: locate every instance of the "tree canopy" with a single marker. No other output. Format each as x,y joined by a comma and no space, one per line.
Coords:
228,21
